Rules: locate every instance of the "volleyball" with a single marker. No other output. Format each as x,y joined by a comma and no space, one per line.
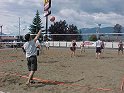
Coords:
52,19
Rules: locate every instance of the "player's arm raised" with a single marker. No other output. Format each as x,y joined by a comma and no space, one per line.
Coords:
37,36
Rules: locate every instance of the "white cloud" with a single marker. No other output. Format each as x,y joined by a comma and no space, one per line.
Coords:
82,13
109,19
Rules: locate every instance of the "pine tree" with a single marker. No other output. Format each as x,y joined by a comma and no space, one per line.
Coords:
36,24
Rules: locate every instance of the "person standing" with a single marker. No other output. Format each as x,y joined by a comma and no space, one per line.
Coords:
15,44
73,47
120,47
38,47
82,46
31,55
102,46
47,45
98,48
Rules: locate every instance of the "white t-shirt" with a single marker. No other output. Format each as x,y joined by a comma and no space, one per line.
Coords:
47,44
14,43
98,43
37,43
30,48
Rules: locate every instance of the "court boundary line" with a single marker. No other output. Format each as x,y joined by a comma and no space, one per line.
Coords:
59,83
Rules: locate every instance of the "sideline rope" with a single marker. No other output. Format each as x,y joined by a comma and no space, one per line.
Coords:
57,82
6,61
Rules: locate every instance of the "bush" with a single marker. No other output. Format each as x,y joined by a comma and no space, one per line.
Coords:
92,38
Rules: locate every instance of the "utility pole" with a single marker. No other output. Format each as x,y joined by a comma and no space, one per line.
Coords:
46,26
19,28
1,29
1,33
98,30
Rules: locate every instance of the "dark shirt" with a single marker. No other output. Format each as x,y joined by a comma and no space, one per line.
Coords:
73,44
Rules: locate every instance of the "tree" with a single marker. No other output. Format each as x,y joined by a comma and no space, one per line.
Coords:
36,24
73,30
58,28
93,38
62,27
117,29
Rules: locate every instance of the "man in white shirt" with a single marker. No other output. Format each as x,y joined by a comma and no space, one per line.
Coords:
31,55
47,45
82,46
98,48
38,47
15,44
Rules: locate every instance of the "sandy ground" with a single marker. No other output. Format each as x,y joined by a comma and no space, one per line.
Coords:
82,73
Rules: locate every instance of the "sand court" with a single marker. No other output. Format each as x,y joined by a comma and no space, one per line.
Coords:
58,72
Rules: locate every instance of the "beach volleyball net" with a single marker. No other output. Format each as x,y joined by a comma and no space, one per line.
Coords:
61,39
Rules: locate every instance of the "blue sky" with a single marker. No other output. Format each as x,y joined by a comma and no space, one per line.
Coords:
82,13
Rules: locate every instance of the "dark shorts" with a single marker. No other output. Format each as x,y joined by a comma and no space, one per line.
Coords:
15,46
102,47
37,52
98,49
72,48
32,63
120,49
